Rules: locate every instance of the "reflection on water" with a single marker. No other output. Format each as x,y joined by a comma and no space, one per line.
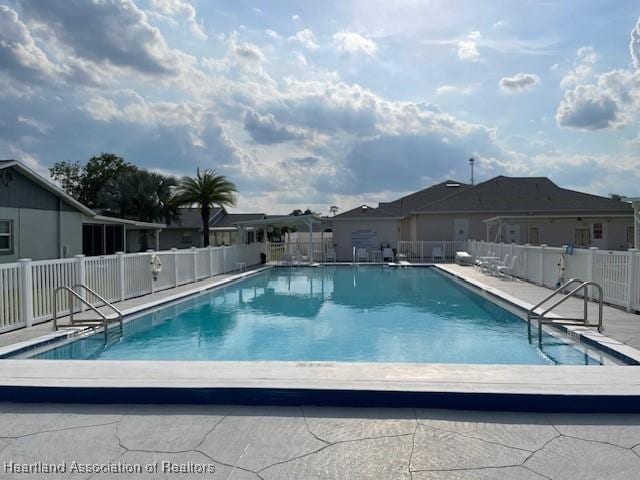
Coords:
370,314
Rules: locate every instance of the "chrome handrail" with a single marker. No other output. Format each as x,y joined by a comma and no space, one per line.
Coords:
585,319
71,291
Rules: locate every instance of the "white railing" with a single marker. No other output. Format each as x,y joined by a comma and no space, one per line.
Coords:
617,272
276,251
26,287
425,250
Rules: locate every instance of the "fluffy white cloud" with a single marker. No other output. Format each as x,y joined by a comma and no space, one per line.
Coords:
634,45
519,82
116,32
454,90
351,42
306,38
20,56
597,102
468,49
267,130
182,9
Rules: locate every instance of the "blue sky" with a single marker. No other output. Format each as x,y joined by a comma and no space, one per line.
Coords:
311,104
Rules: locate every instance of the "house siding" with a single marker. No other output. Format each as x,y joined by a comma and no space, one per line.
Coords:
387,231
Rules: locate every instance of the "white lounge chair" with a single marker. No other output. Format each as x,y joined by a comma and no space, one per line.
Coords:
387,254
362,254
331,255
493,267
437,254
464,258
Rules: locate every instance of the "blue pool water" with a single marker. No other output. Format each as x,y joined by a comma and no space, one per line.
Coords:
364,314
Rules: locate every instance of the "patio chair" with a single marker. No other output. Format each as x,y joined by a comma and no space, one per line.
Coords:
507,270
437,253
361,253
464,258
493,267
331,255
387,254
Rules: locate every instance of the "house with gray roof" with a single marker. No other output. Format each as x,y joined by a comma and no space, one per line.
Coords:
504,209
186,232
38,220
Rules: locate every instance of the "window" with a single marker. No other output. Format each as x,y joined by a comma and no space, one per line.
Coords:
6,234
534,236
597,231
187,237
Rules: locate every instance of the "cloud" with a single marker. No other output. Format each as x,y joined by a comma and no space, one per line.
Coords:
266,130
468,49
248,53
353,43
180,8
604,101
273,34
634,45
306,38
520,82
20,56
108,31
453,90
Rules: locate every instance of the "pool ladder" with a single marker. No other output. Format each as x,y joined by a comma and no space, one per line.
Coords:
72,294
583,321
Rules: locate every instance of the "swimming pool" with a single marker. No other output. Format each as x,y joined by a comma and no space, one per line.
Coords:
343,314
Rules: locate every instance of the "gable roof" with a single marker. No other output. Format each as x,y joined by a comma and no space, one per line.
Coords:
365,211
46,184
427,195
523,194
404,205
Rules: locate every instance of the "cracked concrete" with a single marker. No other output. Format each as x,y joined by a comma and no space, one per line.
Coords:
264,443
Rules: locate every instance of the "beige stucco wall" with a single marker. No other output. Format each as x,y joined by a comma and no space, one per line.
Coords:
43,234
387,231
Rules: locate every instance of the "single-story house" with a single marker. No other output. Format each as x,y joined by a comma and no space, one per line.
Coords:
38,220
187,230
509,209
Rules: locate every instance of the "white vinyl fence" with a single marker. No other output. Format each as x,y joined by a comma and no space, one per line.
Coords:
26,287
276,250
618,272
423,250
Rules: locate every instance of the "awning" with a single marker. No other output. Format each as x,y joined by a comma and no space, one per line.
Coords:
134,224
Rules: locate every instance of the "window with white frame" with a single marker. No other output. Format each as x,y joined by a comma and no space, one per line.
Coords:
597,231
6,233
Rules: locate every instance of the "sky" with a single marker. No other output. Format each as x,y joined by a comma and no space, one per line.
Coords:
313,104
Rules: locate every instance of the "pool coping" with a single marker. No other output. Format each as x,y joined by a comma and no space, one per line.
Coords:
560,388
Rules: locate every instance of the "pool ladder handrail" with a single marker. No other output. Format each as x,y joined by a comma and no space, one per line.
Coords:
584,321
72,293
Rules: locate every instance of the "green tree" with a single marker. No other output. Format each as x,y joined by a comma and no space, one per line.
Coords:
84,182
140,195
207,189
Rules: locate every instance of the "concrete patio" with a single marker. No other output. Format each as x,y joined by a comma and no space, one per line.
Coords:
320,443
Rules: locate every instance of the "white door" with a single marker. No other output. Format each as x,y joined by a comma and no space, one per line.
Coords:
460,229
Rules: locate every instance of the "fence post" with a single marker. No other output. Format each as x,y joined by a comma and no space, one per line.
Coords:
224,259
26,291
81,277
591,268
175,266
525,261
542,248
194,251
121,276
631,271
210,261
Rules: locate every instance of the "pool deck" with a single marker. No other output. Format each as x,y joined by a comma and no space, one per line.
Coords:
621,328
320,443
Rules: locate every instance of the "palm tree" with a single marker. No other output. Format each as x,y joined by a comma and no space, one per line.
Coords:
207,189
